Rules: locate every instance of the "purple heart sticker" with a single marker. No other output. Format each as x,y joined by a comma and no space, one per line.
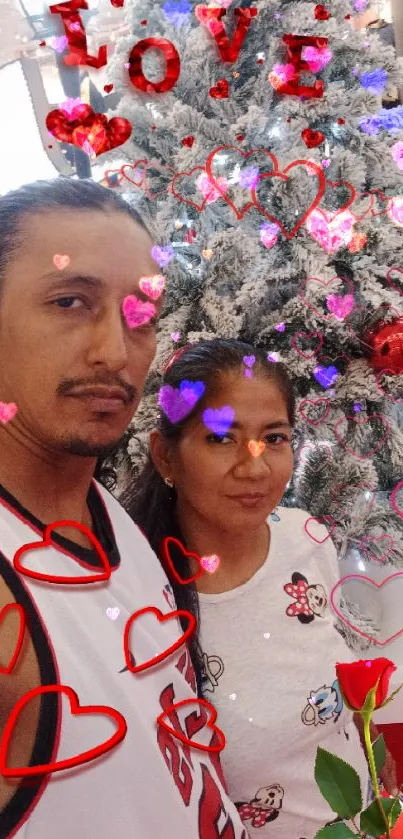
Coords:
249,360
177,403
163,254
326,376
219,420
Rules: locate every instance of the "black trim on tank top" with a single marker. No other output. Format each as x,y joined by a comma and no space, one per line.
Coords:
101,523
29,788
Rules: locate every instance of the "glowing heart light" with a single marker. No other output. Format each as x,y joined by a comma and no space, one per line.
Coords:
113,612
310,283
256,447
210,563
8,410
331,230
136,312
269,233
152,286
61,261
341,306
219,420
395,210
397,154
177,403
210,192
317,58
162,254
326,376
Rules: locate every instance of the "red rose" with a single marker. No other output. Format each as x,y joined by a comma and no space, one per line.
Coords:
359,677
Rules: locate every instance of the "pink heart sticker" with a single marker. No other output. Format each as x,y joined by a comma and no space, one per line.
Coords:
210,563
352,625
136,312
61,261
8,410
152,286
303,289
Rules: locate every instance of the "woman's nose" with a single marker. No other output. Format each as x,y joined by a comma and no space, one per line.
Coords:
252,460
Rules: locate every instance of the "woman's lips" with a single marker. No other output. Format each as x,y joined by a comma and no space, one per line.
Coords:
251,500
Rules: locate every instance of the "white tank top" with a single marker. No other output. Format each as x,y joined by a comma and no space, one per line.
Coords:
150,785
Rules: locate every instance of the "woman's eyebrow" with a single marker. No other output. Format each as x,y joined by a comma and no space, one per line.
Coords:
276,424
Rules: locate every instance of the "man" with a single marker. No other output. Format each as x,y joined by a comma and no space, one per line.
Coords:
71,253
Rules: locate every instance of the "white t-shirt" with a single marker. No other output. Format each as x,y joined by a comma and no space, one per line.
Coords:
150,785
269,651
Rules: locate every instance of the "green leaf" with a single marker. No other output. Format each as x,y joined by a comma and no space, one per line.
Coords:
339,784
393,810
335,831
371,820
370,700
379,750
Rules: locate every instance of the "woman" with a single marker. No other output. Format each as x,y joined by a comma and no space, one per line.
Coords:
220,461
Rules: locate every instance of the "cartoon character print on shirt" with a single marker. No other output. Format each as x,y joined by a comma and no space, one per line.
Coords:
324,703
264,807
214,821
212,670
310,600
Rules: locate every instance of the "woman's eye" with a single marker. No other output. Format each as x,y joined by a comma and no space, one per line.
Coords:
63,302
217,438
277,439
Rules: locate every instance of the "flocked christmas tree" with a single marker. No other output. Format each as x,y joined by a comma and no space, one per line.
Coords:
267,161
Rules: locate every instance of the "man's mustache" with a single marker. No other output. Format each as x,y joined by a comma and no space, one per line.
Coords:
69,385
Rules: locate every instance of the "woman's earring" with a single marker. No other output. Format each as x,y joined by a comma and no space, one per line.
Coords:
169,482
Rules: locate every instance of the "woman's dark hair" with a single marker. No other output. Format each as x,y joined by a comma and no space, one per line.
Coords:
148,500
47,196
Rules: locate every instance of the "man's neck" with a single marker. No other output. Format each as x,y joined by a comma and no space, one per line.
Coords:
52,487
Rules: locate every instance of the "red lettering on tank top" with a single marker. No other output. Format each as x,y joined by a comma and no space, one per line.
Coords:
212,812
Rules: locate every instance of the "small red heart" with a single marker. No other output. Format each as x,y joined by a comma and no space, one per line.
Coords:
42,43
188,141
108,88
47,542
167,545
137,668
143,22
240,137
14,607
321,13
67,763
315,402
341,121
312,138
220,90
209,721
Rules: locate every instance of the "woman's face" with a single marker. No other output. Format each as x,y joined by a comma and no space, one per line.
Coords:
219,479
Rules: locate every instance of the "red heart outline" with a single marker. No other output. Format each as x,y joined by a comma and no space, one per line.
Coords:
315,402
162,619
210,724
168,560
365,421
319,520
307,335
133,166
323,283
198,207
351,625
366,548
350,201
221,189
54,578
389,281
398,400
8,608
162,168
283,176
393,501
67,763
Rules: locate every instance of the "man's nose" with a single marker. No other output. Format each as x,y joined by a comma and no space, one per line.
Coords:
108,344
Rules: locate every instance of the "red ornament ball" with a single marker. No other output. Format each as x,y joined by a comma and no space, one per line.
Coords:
386,342
321,13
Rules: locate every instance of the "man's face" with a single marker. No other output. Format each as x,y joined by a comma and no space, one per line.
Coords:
64,331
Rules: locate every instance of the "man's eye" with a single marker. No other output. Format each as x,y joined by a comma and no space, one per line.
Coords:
64,302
